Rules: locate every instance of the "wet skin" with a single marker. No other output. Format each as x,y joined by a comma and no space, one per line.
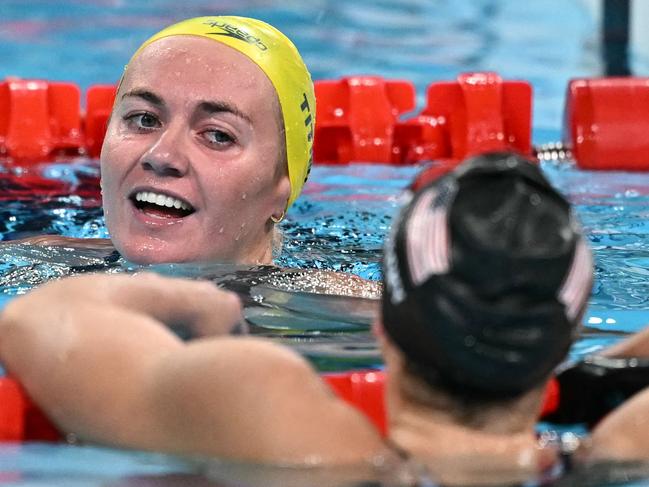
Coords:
197,124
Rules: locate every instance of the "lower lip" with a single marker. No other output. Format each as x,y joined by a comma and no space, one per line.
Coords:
151,219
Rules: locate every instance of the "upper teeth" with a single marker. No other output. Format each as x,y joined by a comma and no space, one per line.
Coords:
161,200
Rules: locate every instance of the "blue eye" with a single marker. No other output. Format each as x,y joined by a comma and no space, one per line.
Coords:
218,137
148,121
143,121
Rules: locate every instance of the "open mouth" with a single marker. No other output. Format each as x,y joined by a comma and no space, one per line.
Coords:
161,205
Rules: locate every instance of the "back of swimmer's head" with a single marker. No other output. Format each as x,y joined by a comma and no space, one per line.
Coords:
281,62
486,276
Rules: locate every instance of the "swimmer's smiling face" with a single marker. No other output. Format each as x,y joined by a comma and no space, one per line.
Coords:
193,162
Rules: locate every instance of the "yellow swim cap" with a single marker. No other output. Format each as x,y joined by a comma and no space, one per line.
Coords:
279,59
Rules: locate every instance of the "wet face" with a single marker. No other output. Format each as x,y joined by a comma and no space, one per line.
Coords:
192,166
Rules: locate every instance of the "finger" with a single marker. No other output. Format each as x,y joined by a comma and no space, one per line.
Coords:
198,304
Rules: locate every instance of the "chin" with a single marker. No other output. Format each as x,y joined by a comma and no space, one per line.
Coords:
148,254
154,251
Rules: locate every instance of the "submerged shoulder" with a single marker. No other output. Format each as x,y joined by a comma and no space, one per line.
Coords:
62,241
325,282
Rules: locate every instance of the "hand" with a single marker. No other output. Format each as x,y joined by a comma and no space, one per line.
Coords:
199,305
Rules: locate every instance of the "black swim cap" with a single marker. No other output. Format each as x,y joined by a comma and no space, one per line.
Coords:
486,275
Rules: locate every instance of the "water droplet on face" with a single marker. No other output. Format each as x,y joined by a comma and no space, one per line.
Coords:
221,230
243,196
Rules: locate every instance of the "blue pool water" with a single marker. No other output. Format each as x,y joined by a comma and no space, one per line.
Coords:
340,220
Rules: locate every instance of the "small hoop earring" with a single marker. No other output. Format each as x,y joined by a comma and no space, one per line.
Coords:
276,220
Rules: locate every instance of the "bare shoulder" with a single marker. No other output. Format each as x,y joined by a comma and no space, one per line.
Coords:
243,388
304,417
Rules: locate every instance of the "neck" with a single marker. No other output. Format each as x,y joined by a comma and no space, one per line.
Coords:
263,256
504,448
413,423
260,253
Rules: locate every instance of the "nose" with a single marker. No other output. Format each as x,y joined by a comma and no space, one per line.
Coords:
166,157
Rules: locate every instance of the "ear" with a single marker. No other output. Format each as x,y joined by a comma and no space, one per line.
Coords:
280,198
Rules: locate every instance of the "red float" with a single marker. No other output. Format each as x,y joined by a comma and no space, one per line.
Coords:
39,119
606,123
99,105
359,119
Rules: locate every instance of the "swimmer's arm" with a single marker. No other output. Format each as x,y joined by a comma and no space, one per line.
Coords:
637,345
93,353
624,433
83,346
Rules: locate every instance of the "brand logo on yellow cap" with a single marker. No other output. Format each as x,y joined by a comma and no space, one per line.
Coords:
230,30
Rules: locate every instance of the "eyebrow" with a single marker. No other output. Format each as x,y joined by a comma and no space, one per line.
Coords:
207,107
146,96
213,107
